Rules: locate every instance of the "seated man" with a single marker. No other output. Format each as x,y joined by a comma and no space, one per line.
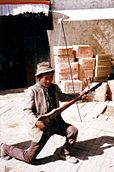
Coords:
41,99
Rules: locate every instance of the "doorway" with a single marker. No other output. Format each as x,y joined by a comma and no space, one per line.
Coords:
23,44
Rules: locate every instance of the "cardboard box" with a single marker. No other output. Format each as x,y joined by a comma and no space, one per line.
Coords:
65,76
102,71
62,50
87,63
86,73
63,58
100,93
69,87
85,51
102,89
103,59
65,67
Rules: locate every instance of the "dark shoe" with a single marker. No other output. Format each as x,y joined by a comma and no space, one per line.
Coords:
3,155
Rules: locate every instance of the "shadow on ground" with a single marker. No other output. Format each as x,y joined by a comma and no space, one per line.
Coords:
93,147
81,150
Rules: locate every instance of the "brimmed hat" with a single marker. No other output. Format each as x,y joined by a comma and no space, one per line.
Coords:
43,67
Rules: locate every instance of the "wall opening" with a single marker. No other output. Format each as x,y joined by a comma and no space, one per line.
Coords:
23,44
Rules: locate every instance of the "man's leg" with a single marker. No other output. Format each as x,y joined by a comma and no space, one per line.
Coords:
26,155
71,137
21,154
71,133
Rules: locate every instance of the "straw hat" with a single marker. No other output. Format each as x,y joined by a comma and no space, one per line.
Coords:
43,67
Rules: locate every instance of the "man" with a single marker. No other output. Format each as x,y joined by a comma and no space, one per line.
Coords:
42,98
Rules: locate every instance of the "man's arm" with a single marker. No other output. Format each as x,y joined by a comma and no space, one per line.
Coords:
63,97
28,107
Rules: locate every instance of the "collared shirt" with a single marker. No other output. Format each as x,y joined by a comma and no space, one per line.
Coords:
50,97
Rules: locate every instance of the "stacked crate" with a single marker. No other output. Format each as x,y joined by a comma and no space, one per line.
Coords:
78,64
70,86
85,51
66,68
86,61
86,68
103,67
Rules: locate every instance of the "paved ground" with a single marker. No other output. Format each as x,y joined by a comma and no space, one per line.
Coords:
94,147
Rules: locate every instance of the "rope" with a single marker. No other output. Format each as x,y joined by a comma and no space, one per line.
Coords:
69,65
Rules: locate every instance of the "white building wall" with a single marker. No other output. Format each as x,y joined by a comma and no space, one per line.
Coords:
99,33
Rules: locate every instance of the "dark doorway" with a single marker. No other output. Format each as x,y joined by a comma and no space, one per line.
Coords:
23,43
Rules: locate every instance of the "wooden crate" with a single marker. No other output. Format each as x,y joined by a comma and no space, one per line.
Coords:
85,51
102,71
87,63
103,59
86,73
63,58
65,67
65,76
62,50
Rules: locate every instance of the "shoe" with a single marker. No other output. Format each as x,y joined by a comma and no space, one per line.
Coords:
59,153
72,159
69,158
3,155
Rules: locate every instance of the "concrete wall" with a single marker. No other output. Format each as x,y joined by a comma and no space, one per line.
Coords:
99,33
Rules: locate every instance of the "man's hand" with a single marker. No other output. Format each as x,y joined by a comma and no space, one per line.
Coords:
40,124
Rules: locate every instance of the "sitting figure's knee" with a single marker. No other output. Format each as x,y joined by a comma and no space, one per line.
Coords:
72,134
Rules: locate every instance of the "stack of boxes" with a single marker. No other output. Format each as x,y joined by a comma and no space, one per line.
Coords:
84,56
66,69
76,64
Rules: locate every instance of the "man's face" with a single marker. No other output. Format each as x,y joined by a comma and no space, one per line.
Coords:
46,79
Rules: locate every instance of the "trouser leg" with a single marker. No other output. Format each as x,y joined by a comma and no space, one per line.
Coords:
71,137
71,133
30,154
21,154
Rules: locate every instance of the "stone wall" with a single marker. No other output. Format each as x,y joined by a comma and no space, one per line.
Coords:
99,33
81,4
